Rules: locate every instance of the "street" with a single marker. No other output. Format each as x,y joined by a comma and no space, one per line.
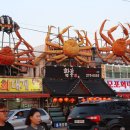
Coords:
59,128
55,128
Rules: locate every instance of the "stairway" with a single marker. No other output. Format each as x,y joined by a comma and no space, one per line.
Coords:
57,117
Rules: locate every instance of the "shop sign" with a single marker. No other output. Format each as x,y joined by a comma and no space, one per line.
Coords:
119,85
20,84
72,72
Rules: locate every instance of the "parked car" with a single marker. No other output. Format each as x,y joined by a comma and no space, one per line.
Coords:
17,118
100,115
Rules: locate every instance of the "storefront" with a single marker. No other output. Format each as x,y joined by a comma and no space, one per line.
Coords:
22,92
75,82
118,78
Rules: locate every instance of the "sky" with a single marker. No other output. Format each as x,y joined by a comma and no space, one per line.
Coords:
81,14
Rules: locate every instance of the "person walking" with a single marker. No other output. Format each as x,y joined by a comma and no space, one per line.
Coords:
4,125
33,120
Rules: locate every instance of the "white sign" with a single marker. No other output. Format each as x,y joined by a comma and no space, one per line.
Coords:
119,85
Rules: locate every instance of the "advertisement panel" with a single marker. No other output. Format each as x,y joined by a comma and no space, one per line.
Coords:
20,84
119,85
61,72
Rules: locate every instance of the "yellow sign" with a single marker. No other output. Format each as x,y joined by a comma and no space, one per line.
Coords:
20,84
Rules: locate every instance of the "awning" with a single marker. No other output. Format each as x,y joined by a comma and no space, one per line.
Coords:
78,87
98,87
58,87
35,95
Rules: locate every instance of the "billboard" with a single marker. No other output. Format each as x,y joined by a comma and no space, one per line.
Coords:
20,84
62,72
119,85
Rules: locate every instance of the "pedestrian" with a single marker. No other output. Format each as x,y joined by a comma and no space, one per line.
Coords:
4,125
33,120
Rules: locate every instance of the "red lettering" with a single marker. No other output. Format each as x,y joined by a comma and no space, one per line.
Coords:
116,84
123,84
128,83
4,85
110,83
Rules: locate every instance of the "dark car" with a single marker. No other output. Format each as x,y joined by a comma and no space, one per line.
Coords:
100,115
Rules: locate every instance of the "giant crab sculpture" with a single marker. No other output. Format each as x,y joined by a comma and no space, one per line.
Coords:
13,56
80,49
114,49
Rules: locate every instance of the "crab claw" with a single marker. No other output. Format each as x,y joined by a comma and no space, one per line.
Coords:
62,32
102,35
84,32
125,31
80,36
65,29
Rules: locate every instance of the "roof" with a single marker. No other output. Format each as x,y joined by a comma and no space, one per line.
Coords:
78,87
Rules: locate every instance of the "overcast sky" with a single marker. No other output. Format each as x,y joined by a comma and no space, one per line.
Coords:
82,14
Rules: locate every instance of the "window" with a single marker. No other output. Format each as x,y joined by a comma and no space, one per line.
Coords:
42,112
108,71
116,71
124,72
129,72
20,115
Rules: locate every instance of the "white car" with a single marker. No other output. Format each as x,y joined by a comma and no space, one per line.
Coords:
19,122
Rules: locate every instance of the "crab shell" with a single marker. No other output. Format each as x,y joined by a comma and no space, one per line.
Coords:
6,56
71,48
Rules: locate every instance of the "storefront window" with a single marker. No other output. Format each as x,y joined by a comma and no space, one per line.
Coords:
124,72
22,103
129,72
116,72
108,71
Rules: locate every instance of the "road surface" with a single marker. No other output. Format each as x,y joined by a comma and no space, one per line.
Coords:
59,128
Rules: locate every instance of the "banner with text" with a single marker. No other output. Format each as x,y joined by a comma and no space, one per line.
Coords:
72,72
20,84
119,85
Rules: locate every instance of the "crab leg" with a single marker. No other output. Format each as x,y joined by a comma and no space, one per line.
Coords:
85,48
81,37
22,53
85,54
78,60
109,56
37,59
125,60
125,31
54,52
82,59
22,40
49,43
110,31
54,45
96,44
26,65
56,57
58,61
112,59
104,49
21,70
24,59
102,35
88,43
62,32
